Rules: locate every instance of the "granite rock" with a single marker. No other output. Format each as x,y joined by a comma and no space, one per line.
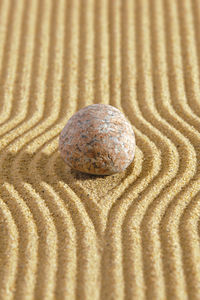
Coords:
98,139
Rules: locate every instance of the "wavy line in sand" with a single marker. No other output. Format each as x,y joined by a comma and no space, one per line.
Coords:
23,219
27,242
47,246
182,199
189,57
36,99
19,144
159,67
87,241
130,217
188,151
144,106
21,273
9,240
66,227
81,272
189,239
20,94
108,285
41,291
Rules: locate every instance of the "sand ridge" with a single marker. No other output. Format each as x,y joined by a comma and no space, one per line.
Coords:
67,235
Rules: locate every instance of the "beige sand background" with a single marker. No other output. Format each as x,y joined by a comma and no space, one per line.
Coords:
134,235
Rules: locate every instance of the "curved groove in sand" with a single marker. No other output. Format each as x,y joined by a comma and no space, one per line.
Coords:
80,290
28,240
20,93
37,81
86,258
66,261
185,144
141,239
163,177
92,208
9,240
49,129
27,269
152,228
182,170
182,199
189,58
31,145
38,186
114,89
81,217
189,240
67,243
48,235
27,234
47,240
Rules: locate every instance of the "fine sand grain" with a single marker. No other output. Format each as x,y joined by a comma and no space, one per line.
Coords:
67,235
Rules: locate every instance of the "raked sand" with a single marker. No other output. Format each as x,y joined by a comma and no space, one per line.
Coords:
133,235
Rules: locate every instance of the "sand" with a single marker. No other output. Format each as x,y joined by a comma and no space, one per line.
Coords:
133,235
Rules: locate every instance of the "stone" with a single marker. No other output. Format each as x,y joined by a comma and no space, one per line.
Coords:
98,139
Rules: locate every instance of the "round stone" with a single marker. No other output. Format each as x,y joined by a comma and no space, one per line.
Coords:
98,139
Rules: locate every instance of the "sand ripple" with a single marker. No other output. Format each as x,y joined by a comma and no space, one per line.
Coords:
67,235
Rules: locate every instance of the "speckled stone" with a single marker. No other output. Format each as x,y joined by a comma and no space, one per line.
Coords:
98,139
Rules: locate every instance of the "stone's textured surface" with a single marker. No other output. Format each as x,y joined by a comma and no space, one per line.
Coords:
98,139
